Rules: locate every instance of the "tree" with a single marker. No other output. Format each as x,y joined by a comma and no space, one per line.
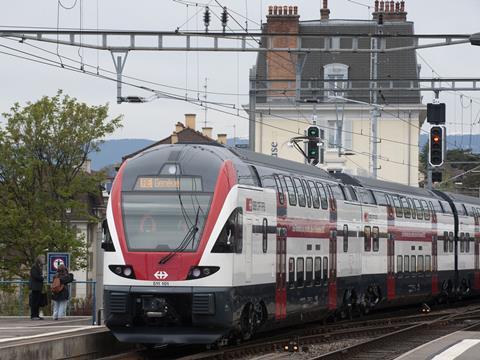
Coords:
43,147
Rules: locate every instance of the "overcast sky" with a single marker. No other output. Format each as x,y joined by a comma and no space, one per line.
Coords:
22,80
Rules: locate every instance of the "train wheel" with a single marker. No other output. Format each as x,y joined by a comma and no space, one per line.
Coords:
248,322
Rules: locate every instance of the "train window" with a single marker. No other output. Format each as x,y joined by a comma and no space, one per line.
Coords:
350,194
406,263
345,238
300,192
245,175
418,209
407,212
467,243
447,209
399,263
291,272
267,180
323,195
309,271
437,206
336,191
315,195
325,267
426,211
265,235
278,183
410,204
107,242
300,272
462,242
318,270
420,264
367,196
230,239
413,264
256,177
376,238
398,206
381,198
292,197
450,241
367,236
307,191
428,263
445,241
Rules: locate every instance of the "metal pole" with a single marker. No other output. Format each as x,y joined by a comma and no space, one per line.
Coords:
252,110
374,112
429,177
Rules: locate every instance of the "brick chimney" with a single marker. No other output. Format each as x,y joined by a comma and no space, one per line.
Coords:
190,120
325,11
174,138
390,10
222,139
179,127
207,131
280,65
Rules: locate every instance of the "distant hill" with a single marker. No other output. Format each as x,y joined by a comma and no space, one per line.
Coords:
457,142
112,151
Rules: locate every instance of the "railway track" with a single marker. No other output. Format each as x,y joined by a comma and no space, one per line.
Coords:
361,339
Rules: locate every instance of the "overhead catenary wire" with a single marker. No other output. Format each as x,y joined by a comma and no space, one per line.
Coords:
196,102
222,104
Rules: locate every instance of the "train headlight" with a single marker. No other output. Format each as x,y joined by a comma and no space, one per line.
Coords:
122,270
197,272
127,271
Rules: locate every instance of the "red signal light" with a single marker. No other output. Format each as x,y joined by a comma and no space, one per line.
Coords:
436,139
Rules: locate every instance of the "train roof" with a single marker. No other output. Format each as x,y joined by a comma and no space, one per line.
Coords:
281,164
465,199
383,185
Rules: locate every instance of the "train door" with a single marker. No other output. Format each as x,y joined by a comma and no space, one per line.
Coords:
390,267
435,290
332,280
247,236
280,286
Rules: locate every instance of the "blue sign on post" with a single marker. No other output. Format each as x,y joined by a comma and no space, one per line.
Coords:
54,260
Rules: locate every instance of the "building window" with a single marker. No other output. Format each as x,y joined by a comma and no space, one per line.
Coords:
335,72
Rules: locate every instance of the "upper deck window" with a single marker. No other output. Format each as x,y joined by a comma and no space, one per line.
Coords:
323,195
381,198
447,209
366,196
292,197
300,191
398,206
337,192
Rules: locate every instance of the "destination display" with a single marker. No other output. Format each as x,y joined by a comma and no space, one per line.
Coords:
168,183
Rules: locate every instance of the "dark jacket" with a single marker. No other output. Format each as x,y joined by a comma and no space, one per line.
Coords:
65,278
36,278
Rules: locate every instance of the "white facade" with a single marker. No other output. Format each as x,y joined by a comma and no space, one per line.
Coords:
398,132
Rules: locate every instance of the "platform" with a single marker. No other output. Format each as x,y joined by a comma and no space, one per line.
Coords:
72,337
461,345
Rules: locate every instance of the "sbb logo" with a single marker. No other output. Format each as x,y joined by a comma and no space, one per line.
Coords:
249,205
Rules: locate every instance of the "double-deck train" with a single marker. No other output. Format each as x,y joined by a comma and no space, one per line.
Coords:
205,243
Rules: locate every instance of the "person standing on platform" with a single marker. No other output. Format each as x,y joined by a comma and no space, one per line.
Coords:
36,286
60,291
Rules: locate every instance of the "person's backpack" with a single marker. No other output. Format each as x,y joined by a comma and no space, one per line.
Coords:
57,286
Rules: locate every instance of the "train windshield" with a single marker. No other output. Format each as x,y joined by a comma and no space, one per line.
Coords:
164,222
